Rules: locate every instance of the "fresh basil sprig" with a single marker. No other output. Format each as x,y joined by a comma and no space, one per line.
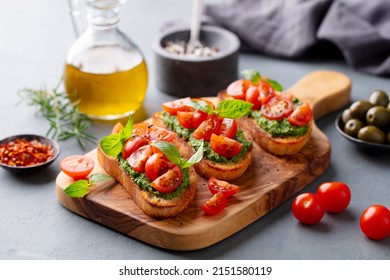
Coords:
80,187
112,144
230,108
173,154
255,77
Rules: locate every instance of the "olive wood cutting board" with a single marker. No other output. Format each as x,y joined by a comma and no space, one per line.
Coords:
268,182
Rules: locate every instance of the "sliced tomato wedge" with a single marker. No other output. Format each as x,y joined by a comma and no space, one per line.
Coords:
186,119
77,166
156,133
169,181
301,116
225,146
227,189
132,144
206,128
228,128
141,129
266,92
215,204
277,108
157,165
117,128
138,159
172,107
238,88
253,96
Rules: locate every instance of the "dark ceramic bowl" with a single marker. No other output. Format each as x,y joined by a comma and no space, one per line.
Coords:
184,76
375,147
33,168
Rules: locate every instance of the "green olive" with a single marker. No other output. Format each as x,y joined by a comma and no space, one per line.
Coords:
346,116
352,127
379,98
372,134
359,109
378,116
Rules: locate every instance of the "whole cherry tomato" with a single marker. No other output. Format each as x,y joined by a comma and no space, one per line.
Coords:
308,209
375,222
335,196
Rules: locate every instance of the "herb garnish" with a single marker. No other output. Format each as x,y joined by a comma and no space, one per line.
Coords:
255,77
231,108
173,154
65,119
112,144
80,188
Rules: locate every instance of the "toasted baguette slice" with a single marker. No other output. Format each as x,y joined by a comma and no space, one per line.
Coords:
148,203
208,168
274,145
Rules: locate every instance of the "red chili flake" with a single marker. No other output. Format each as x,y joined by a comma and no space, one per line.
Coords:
22,152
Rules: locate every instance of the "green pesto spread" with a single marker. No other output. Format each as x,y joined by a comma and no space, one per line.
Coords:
142,181
280,128
173,124
210,154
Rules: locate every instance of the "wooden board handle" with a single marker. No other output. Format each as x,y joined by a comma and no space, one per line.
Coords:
325,91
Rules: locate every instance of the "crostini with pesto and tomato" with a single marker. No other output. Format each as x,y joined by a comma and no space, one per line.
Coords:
227,152
154,166
278,122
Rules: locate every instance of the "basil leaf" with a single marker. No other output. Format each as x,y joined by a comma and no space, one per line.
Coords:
251,75
112,145
275,84
98,178
194,159
201,105
169,150
233,108
127,131
77,189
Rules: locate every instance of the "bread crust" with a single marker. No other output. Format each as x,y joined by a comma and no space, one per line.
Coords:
208,168
275,145
148,203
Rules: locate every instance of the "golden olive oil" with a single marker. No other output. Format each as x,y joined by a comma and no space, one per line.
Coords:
107,87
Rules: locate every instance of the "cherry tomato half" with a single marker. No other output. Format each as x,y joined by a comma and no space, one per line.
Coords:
172,107
77,166
277,108
302,115
132,144
238,88
191,120
225,146
138,159
206,128
156,165
335,196
307,208
253,96
228,128
215,204
375,222
266,92
117,128
156,133
169,181
227,189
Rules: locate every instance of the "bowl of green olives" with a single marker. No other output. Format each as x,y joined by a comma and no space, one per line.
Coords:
367,122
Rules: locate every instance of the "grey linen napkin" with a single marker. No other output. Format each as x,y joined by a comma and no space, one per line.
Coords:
360,29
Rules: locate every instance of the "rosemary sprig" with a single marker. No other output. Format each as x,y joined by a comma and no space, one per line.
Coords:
64,118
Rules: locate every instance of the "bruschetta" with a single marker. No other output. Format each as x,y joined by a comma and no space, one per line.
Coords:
155,180
278,122
227,152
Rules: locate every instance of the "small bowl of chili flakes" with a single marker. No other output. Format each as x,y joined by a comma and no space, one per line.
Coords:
27,153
